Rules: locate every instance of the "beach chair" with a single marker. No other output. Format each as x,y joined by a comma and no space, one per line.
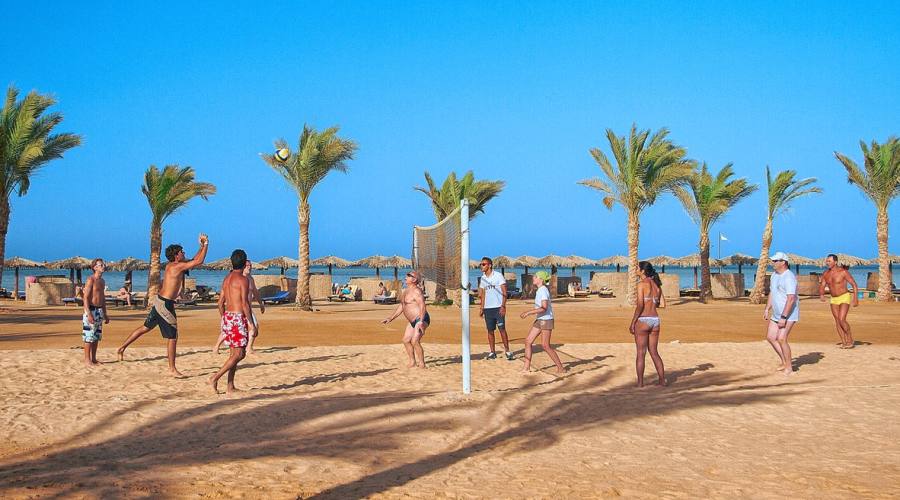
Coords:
572,292
71,300
5,294
390,298
279,298
345,297
606,292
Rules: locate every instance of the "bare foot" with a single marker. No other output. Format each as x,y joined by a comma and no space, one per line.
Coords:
232,389
640,385
525,371
214,384
216,350
120,354
663,383
788,371
175,373
560,371
252,351
88,364
96,363
411,364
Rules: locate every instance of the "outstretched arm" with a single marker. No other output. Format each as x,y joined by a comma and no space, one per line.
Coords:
397,312
201,254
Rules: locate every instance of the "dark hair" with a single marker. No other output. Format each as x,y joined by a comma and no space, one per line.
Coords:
835,257
238,259
649,272
95,261
172,251
489,260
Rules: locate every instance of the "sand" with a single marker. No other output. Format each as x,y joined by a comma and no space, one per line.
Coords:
348,421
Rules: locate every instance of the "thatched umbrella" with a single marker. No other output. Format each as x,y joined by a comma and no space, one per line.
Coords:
17,262
73,264
799,260
693,260
379,261
129,265
850,260
739,260
525,261
225,265
283,262
615,260
504,261
331,261
661,261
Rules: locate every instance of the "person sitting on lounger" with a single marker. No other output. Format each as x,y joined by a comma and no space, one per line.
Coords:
124,293
381,292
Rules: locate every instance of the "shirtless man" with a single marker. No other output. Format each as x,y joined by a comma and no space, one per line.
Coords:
254,295
162,313
836,278
412,306
234,307
94,312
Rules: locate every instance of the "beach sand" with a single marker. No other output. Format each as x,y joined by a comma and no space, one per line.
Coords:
348,421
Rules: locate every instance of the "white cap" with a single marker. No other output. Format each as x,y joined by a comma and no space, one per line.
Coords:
779,256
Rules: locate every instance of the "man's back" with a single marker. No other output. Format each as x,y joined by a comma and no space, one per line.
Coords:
235,290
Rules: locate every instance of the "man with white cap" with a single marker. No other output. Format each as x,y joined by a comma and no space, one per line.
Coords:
782,310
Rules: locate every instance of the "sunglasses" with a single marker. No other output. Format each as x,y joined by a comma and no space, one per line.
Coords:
410,275
484,264
779,260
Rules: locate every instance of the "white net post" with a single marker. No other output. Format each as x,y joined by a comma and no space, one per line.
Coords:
464,296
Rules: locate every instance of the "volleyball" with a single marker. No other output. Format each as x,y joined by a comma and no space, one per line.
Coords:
282,154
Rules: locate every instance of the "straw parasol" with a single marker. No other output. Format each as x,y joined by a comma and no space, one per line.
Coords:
661,261
693,260
739,260
16,263
799,260
331,261
129,265
225,265
379,261
615,260
283,262
526,261
73,264
850,260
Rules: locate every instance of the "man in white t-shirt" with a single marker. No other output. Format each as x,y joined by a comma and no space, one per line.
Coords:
782,311
492,292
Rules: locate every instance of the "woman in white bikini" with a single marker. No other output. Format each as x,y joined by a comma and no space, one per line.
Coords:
645,323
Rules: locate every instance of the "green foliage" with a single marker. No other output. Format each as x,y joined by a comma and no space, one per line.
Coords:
446,199
783,190
643,169
26,139
171,188
317,154
707,198
879,179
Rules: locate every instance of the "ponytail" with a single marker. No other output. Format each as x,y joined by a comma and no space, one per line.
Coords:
649,272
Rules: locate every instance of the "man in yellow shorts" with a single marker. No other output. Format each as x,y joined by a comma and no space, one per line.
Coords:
836,278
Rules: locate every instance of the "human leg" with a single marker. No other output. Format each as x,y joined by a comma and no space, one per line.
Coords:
641,339
545,343
772,337
843,310
785,347
231,372
418,350
136,334
529,339
838,325
171,345
232,361
408,346
653,347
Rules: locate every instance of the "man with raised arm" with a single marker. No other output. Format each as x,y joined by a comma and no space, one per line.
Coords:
836,278
412,306
162,312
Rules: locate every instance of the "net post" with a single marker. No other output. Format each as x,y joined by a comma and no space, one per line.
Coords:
464,296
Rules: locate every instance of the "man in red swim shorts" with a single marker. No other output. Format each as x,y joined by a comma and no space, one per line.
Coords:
234,307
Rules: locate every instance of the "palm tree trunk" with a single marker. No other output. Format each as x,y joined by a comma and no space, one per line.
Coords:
554,286
303,301
155,250
634,230
705,278
4,226
884,266
758,295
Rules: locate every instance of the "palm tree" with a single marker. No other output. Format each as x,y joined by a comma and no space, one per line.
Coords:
26,144
707,200
879,180
167,191
782,190
318,153
446,199
646,167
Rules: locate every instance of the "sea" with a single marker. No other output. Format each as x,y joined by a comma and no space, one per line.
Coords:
114,280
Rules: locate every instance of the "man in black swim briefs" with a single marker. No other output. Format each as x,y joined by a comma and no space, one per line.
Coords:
412,306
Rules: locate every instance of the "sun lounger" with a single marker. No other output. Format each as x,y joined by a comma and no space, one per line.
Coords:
71,300
606,293
572,292
279,298
342,297
390,298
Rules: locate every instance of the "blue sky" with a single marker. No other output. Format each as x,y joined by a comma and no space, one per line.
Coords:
512,90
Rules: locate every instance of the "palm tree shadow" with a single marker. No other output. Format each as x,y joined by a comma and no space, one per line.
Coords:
319,379
357,428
